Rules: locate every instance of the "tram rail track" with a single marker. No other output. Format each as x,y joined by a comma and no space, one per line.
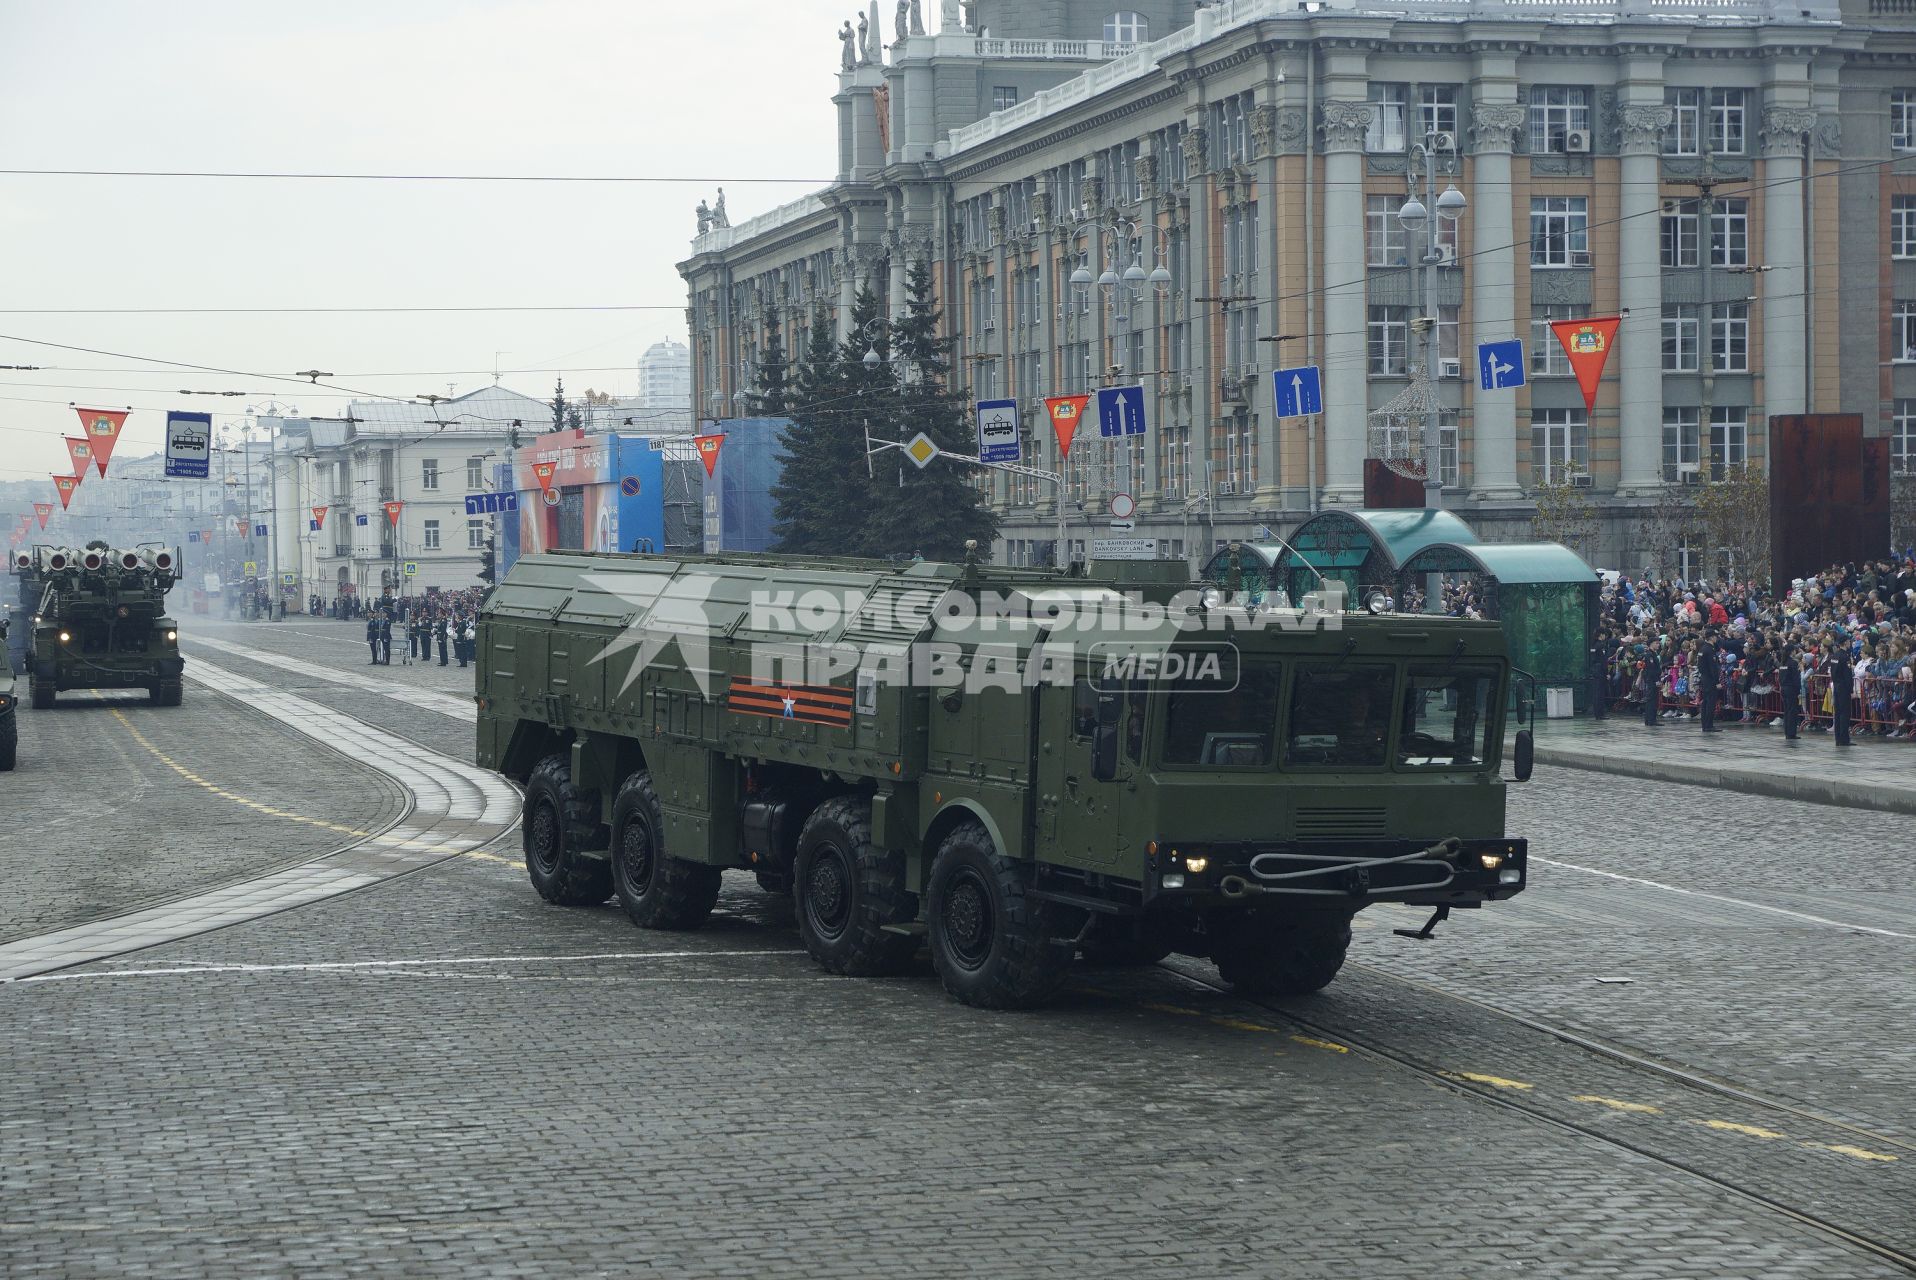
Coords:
1369,1045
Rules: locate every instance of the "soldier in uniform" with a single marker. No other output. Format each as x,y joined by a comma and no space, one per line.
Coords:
1790,683
442,627
1842,689
1652,688
1707,671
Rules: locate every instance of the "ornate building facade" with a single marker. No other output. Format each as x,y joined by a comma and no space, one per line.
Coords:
1737,180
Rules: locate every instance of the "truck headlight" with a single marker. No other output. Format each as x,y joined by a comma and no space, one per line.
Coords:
1491,861
1173,881
172,635
65,638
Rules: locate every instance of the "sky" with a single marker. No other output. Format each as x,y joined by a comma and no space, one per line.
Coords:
723,94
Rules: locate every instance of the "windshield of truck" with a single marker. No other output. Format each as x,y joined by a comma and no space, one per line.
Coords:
1340,715
1232,729
1446,720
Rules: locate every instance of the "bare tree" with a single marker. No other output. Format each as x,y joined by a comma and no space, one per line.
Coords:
1566,513
1664,526
1902,510
1734,515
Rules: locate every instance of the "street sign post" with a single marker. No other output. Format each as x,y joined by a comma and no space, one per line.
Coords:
1298,392
998,431
412,568
1121,412
189,445
1500,365
921,450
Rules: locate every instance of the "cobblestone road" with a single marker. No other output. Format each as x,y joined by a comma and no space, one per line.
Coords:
440,1075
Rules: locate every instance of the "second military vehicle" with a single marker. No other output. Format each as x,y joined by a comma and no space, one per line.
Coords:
1009,766
102,624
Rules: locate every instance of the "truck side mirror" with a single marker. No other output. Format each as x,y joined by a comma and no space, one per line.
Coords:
1525,757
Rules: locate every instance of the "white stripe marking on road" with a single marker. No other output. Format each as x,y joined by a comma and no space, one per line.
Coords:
445,704
333,966
1718,897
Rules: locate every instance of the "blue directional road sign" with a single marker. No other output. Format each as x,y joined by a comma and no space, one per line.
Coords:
482,504
998,431
1121,412
1500,365
1299,391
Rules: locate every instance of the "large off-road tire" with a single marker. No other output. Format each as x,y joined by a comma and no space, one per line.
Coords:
167,693
657,890
9,741
848,891
561,873
1281,953
994,944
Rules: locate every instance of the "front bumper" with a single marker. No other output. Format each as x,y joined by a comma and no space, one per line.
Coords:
1356,873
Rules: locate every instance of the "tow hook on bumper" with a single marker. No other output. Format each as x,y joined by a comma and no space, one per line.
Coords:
1437,917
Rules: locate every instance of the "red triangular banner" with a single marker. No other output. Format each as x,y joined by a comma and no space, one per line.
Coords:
1065,412
708,447
81,451
392,512
44,510
103,430
66,485
543,472
319,517
1588,344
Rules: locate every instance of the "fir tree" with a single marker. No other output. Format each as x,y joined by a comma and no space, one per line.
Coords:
821,498
559,406
937,510
771,394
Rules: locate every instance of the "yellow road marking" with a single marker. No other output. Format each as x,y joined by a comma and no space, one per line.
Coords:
1730,1126
1332,1046
1495,1082
1236,1024
1842,1150
1618,1104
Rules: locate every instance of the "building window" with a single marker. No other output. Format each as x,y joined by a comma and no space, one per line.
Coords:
1730,337
432,535
1555,113
1679,443
1902,438
1679,338
1383,234
1559,445
1127,28
1902,120
429,473
1902,330
1447,432
1437,109
1679,234
1729,438
1004,97
1231,131
1386,131
475,535
1902,227
1730,234
1728,110
1547,358
475,474
1681,136
1559,231
1389,336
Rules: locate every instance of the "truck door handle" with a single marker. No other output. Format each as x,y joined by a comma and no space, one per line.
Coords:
1071,780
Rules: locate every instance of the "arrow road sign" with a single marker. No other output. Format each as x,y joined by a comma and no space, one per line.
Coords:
1121,412
1500,365
1298,391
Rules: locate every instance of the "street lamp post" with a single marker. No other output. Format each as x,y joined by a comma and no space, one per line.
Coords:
1418,217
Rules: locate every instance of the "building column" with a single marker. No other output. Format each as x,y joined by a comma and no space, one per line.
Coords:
1345,381
1269,490
1640,292
1785,333
1493,274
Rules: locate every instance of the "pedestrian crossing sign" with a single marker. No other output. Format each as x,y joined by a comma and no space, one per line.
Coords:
412,568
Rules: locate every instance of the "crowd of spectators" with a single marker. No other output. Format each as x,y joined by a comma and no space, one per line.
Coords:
1850,628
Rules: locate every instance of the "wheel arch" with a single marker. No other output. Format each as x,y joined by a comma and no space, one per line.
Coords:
954,814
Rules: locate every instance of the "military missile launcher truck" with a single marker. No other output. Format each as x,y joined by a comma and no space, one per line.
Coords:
102,624
1008,766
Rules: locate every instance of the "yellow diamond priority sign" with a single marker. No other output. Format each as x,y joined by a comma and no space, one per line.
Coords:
921,450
